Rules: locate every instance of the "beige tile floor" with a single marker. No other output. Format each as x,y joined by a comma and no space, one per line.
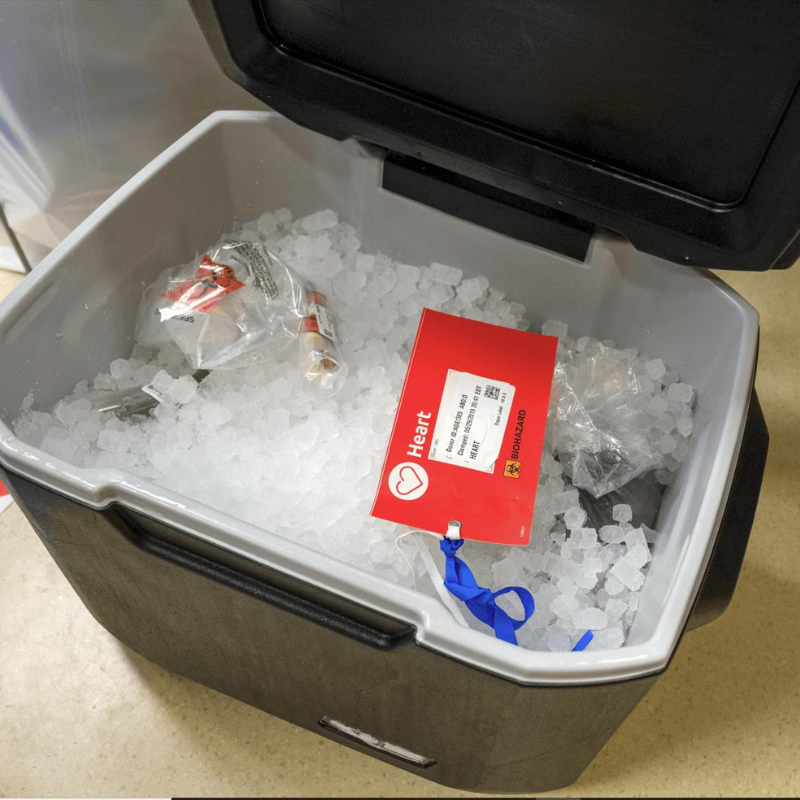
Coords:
81,715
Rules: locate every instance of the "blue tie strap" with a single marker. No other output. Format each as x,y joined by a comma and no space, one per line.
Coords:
583,642
461,583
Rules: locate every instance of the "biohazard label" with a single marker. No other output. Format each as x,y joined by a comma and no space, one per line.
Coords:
210,284
468,432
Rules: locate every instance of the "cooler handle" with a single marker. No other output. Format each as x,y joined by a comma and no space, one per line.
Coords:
319,606
727,556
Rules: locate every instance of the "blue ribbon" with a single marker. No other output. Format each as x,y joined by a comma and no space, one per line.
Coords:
583,642
461,583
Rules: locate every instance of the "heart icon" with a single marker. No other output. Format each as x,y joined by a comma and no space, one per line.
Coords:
409,481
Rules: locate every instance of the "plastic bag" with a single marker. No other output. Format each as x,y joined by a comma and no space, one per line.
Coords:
236,299
239,299
597,426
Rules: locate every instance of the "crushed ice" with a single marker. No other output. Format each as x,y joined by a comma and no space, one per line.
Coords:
251,443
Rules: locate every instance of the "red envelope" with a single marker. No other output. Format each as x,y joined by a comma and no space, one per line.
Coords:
468,434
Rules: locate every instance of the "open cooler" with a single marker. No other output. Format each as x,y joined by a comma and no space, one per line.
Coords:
335,649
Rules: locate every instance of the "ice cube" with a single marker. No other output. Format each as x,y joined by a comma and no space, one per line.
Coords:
622,513
162,382
685,426
657,406
669,378
667,444
364,262
505,571
87,431
320,221
550,465
615,608
410,306
681,451
627,574
612,534
470,290
656,369
634,537
183,390
567,569
441,273
111,440
638,555
584,538
550,563
663,476
278,421
329,266
408,273
567,587
587,578
649,534
267,224
563,501
681,392
121,369
666,423
590,618
320,246
564,606
574,517
65,414
105,382
608,639
557,640
349,244
60,448
215,414
302,246
554,327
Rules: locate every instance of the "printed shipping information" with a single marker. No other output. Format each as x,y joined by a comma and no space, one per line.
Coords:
468,433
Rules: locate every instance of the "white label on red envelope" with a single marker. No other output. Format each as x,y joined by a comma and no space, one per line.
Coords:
469,430
472,420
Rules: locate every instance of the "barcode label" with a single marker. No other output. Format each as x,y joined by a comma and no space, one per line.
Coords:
492,392
156,394
257,262
326,322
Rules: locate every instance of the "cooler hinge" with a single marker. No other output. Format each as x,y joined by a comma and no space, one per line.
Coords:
487,206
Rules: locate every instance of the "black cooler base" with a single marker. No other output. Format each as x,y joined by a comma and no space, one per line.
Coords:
318,661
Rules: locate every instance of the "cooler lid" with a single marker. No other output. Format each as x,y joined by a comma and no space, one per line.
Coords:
675,124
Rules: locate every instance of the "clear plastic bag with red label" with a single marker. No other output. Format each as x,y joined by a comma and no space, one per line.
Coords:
241,298
232,301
